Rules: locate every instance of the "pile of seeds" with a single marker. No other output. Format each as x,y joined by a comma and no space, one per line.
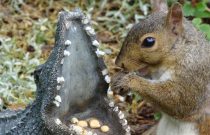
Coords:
92,123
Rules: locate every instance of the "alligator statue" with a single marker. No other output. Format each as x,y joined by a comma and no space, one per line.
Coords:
72,83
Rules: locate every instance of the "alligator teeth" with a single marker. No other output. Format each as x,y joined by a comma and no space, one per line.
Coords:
111,104
89,133
66,53
99,53
62,61
85,21
124,122
121,115
89,31
58,121
56,103
105,72
107,79
88,28
77,129
58,98
58,87
95,43
60,80
128,129
116,109
67,42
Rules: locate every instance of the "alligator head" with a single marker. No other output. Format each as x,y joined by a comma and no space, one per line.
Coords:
75,81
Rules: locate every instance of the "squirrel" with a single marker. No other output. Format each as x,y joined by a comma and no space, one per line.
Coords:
167,61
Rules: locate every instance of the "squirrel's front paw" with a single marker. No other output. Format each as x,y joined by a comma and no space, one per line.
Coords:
120,83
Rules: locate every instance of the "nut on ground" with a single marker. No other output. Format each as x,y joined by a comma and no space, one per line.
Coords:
104,128
74,120
94,123
82,123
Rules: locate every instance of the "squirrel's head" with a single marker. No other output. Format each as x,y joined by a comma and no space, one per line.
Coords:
149,42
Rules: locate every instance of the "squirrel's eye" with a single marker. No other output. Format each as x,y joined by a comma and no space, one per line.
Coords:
148,42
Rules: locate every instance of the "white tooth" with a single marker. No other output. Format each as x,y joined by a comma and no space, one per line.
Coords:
77,129
124,122
58,87
99,53
58,98
58,121
105,72
59,13
66,53
107,79
56,103
62,61
88,28
74,120
85,21
121,115
111,104
116,109
127,129
89,133
60,80
90,31
95,43
67,42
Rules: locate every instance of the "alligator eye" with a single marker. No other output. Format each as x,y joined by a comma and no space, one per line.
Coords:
148,42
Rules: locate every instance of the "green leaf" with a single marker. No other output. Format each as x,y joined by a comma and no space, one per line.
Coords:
157,116
196,22
205,28
202,14
188,9
208,36
201,6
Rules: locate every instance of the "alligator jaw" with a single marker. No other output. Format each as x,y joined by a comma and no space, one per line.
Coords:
79,80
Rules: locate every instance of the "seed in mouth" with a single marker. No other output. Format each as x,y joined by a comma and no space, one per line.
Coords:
104,128
92,123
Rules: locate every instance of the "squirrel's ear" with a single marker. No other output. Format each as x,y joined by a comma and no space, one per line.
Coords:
175,19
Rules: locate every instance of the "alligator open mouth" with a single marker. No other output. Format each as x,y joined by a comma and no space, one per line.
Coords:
81,81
